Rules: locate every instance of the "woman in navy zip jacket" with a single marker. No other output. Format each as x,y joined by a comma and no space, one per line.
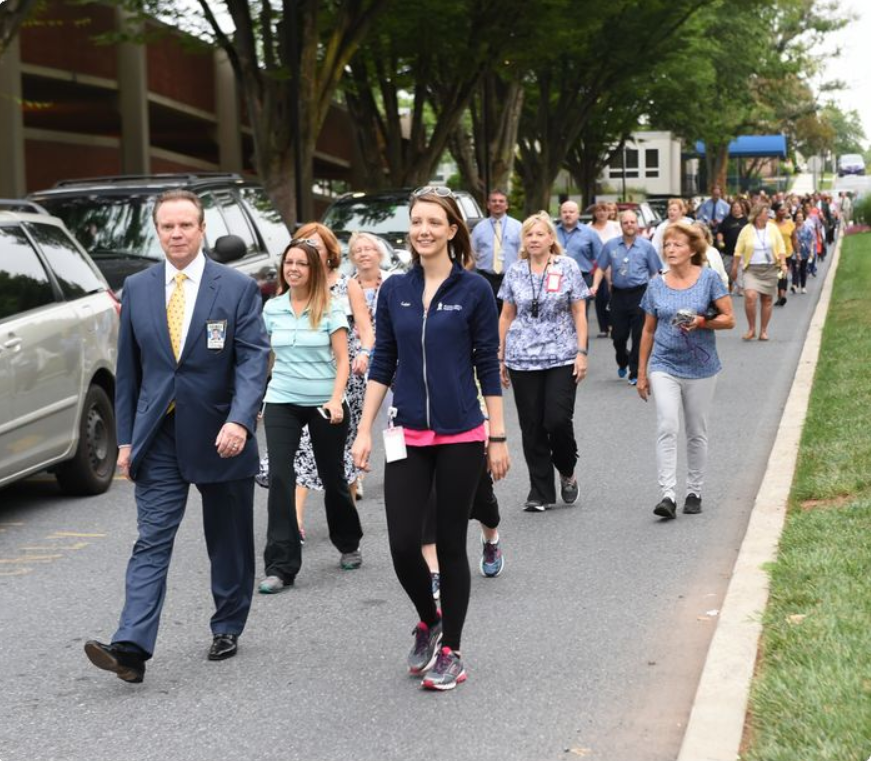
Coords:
437,329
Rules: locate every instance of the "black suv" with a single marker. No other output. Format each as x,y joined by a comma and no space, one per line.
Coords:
111,218
386,214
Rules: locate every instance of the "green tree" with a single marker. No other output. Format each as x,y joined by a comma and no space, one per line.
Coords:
438,58
750,72
620,44
849,134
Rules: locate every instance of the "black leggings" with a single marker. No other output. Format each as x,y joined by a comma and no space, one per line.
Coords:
799,272
485,507
455,471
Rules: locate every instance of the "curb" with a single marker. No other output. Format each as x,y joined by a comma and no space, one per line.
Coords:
716,723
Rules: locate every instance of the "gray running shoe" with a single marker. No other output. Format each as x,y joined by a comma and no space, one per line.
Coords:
350,561
492,561
426,643
271,585
693,504
447,673
569,489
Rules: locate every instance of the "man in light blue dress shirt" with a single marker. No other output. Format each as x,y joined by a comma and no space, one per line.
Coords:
496,242
578,241
714,210
631,262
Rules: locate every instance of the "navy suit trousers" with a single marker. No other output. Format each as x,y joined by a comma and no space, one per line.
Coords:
228,523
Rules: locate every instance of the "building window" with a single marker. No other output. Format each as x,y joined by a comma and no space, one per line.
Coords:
615,169
651,162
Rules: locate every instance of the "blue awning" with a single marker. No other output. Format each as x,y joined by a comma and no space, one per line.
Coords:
752,146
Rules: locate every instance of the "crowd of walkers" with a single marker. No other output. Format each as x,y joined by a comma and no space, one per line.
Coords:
420,359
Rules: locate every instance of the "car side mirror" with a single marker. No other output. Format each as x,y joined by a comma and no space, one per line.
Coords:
228,248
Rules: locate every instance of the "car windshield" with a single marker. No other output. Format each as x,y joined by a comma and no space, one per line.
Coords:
109,227
383,216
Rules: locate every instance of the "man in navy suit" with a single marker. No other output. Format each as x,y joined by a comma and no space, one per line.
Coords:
192,365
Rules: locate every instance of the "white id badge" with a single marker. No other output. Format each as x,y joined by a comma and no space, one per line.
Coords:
394,443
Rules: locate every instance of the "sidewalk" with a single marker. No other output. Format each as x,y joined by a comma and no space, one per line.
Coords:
716,724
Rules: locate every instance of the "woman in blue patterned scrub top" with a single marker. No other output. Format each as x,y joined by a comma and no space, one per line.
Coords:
678,360
543,354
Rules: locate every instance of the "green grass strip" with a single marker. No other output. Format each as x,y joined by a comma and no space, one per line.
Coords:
811,697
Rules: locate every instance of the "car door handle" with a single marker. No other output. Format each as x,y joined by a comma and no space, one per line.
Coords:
12,343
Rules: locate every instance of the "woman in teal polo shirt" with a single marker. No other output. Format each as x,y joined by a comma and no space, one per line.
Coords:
309,335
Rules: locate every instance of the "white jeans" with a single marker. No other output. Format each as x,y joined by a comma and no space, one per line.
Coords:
693,396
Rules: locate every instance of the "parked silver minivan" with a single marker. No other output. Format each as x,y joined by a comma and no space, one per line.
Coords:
58,349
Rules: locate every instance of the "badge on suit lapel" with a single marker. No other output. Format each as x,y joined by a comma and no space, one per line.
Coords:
216,334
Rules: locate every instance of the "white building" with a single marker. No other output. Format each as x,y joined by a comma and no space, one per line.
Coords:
653,165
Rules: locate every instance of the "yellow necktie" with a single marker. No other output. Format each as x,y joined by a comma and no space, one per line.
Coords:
175,314
497,246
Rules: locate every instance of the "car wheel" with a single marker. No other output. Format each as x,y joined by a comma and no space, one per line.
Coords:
92,468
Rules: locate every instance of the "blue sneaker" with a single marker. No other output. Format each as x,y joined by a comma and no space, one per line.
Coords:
621,372
633,381
492,562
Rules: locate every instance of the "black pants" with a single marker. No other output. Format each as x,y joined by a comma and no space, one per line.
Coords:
485,507
799,272
603,298
284,424
627,320
495,283
545,402
455,471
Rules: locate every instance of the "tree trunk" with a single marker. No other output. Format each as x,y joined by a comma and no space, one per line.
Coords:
12,13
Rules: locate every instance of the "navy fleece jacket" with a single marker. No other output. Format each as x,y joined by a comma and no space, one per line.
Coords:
431,359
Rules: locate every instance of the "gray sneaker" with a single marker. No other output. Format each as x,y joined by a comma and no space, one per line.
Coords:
350,561
447,673
569,489
271,585
426,643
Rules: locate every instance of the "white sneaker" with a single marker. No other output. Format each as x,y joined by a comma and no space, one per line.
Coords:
271,585
804,290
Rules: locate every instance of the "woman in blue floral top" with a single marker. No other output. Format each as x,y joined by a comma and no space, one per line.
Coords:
678,360
543,340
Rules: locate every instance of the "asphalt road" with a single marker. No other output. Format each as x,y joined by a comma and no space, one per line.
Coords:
589,645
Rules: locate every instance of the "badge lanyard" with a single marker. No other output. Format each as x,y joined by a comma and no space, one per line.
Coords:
763,239
536,296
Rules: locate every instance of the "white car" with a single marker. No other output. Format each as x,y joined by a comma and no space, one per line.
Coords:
58,349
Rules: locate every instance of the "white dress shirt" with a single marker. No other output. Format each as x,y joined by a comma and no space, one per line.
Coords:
194,273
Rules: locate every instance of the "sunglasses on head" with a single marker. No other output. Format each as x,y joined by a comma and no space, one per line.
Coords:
441,191
304,241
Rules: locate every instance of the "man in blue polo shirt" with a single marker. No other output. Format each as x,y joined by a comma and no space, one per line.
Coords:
579,241
630,262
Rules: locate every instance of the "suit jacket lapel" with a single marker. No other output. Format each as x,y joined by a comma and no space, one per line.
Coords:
157,296
206,295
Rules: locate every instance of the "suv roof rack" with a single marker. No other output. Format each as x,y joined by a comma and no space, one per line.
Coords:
22,205
121,179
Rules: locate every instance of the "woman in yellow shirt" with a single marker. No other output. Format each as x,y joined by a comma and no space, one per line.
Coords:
762,256
787,232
